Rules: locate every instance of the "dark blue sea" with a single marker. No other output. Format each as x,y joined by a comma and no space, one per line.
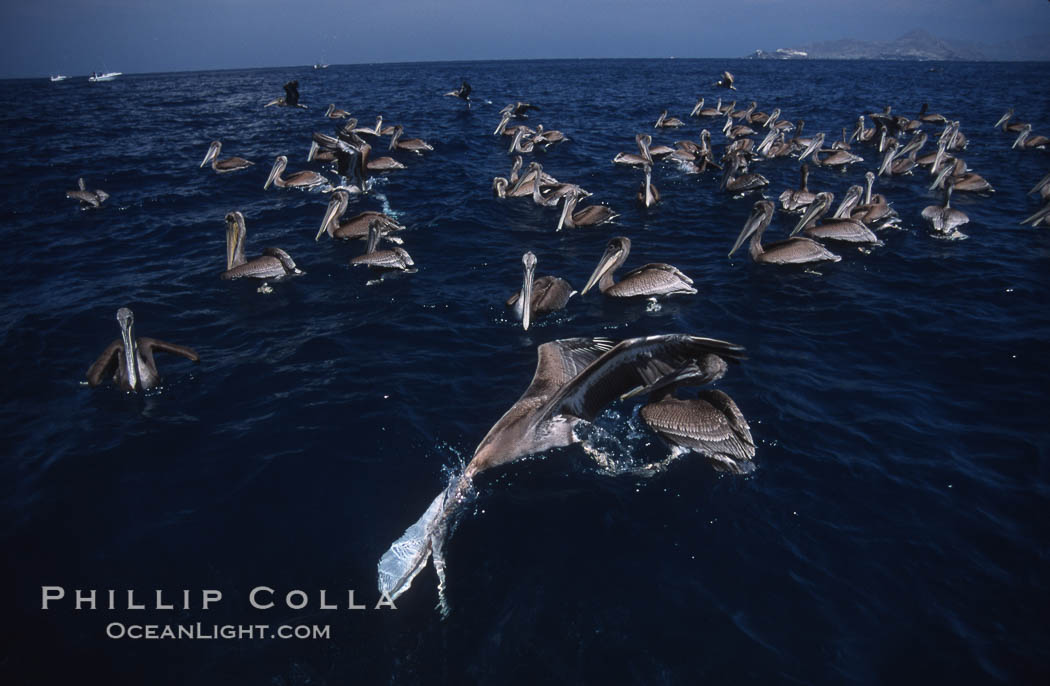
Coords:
895,530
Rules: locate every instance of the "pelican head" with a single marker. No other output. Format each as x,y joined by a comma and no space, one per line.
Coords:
235,231
126,319
1005,118
944,173
849,201
569,199
813,146
336,206
817,209
887,159
528,261
499,187
761,215
399,130
616,252
278,168
213,152
1025,132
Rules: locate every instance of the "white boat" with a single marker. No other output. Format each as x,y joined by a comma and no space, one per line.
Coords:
320,66
58,77
108,76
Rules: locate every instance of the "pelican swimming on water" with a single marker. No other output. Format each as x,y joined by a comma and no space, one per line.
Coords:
88,199
334,113
301,179
397,258
575,379
416,145
794,250
274,263
665,122
538,296
944,219
740,183
1026,141
230,164
647,194
592,215
130,360
1007,125
355,227
797,199
840,229
649,280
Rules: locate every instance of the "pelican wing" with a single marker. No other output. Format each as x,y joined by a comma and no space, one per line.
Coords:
157,345
559,361
711,425
630,364
106,363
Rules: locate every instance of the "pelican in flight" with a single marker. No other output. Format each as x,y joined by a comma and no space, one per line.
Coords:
274,263
416,145
230,164
592,215
945,220
355,227
840,228
129,360
397,258
575,380
290,97
650,280
88,199
794,250
538,296
726,81
463,93
301,179
334,113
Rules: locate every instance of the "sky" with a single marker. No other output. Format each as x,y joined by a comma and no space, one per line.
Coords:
73,37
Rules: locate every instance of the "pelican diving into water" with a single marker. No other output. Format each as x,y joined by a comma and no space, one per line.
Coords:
538,296
649,280
794,250
274,263
130,360
89,200
230,164
575,380
301,179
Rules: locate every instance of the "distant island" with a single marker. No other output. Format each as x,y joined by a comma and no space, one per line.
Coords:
916,45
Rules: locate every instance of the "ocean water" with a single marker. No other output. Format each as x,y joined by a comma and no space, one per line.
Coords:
895,530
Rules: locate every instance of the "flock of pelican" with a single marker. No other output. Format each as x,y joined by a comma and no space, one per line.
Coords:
577,378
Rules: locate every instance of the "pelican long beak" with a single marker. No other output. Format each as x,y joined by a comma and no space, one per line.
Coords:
1038,216
817,141
213,152
1003,119
887,160
939,181
273,174
127,335
648,186
232,239
526,295
750,226
329,217
502,124
565,209
1020,139
605,265
815,209
1045,181
848,202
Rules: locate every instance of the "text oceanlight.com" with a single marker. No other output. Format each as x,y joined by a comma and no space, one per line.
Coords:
201,631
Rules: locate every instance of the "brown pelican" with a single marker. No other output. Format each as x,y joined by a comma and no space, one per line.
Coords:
519,144
333,113
797,199
835,158
504,130
644,157
841,144
274,263
738,131
229,164
647,194
592,215
726,81
1041,217
843,229
650,280
88,199
864,135
945,220
302,179
416,145
130,360
519,110
1029,142
538,296
290,97
931,118
766,120
895,165
575,380
875,211
743,182
745,114
1010,127
794,250
715,111
665,122
555,191
366,163
1042,188
961,179
547,138
463,93
395,258
355,227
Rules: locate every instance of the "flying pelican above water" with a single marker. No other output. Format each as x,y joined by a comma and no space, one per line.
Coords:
649,280
301,179
575,380
726,81
230,164
463,93
88,199
794,250
538,296
290,97
130,360
274,263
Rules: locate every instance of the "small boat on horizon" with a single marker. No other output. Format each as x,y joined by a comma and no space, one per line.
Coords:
320,66
58,77
108,76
